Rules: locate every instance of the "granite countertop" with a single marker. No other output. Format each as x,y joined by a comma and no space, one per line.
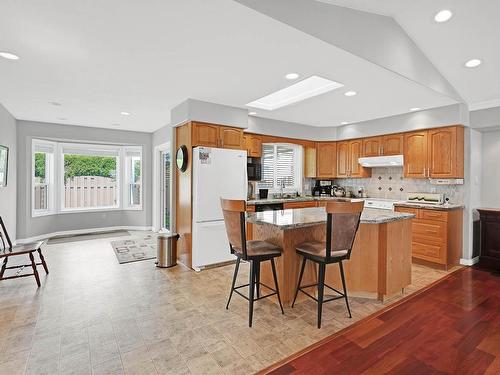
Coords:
297,199
427,206
306,217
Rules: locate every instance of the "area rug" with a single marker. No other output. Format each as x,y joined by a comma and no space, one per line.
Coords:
86,237
135,249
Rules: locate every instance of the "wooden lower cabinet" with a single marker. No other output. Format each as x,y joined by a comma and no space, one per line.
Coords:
490,238
436,235
250,208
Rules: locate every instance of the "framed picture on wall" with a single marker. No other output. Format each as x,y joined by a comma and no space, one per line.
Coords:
4,164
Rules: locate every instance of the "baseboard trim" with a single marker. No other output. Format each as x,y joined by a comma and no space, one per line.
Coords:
469,262
78,231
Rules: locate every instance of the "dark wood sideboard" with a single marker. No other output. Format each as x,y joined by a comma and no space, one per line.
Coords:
489,256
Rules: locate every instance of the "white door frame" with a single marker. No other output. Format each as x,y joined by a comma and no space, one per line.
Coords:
157,164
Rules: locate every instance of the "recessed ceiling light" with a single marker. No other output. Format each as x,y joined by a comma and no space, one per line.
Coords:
443,15
252,113
344,123
57,104
292,76
415,109
9,56
305,89
115,124
473,63
350,93
62,118
125,113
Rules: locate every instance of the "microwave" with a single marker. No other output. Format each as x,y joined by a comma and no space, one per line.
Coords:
254,169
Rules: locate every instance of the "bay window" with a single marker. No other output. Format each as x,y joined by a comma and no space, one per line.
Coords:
71,177
43,177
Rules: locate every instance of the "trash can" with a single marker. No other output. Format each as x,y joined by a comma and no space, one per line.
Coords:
167,250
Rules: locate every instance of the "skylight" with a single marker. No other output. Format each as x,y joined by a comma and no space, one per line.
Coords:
305,89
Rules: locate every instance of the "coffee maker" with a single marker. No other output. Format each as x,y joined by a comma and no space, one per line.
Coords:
322,189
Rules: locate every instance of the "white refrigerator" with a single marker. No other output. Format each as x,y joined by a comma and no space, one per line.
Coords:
217,173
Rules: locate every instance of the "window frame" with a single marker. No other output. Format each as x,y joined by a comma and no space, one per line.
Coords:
84,147
56,175
50,176
127,162
298,167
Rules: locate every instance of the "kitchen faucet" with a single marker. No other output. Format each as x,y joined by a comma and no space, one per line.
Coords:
282,187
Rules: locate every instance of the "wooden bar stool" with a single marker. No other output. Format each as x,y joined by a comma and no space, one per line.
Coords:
8,251
253,252
342,224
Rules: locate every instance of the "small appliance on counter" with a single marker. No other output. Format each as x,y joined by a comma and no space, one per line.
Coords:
263,193
322,189
425,198
338,191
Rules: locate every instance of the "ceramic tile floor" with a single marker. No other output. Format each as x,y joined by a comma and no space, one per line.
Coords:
95,316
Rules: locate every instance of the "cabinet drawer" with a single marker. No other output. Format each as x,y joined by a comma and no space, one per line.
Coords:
435,230
288,205
434,215
408,210
434,253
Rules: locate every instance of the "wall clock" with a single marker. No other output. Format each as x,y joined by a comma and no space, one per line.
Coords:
182,158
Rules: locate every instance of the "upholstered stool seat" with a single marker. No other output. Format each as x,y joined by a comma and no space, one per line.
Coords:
318,250
256,248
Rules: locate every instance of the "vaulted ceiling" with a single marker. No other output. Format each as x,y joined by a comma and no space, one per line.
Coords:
97,59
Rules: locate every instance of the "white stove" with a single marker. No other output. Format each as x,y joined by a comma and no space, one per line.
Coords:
381,203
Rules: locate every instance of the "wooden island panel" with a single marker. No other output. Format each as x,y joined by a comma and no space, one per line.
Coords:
379,267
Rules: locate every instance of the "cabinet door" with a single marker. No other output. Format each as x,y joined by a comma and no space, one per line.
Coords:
392,144
443,153
255,149
310,161
342,159
231,137
326,154
205,134
372,146
415,154
355,169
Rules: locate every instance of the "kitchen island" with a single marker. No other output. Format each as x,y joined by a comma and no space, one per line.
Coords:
380,264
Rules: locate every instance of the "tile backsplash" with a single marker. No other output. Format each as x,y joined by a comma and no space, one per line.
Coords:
390,183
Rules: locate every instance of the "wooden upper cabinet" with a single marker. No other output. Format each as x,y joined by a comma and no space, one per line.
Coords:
204,134
348,153
254,146
326,155
310,161
446,152
356,170
343,159
231,137
415,154
392,144
212,135
372,146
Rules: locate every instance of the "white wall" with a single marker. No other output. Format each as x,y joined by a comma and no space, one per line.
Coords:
290,129
8,194
432,118
491,169
197,110
28,226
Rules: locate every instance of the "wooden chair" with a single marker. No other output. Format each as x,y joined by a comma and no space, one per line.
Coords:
7,251
253,252
341,227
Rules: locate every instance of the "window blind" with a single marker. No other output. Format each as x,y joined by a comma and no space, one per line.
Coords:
279,164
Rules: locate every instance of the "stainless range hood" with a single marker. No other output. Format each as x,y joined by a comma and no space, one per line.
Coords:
382,161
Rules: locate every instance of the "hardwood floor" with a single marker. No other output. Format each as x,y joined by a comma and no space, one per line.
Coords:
451,328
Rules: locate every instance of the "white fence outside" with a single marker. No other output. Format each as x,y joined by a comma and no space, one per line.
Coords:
90,191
